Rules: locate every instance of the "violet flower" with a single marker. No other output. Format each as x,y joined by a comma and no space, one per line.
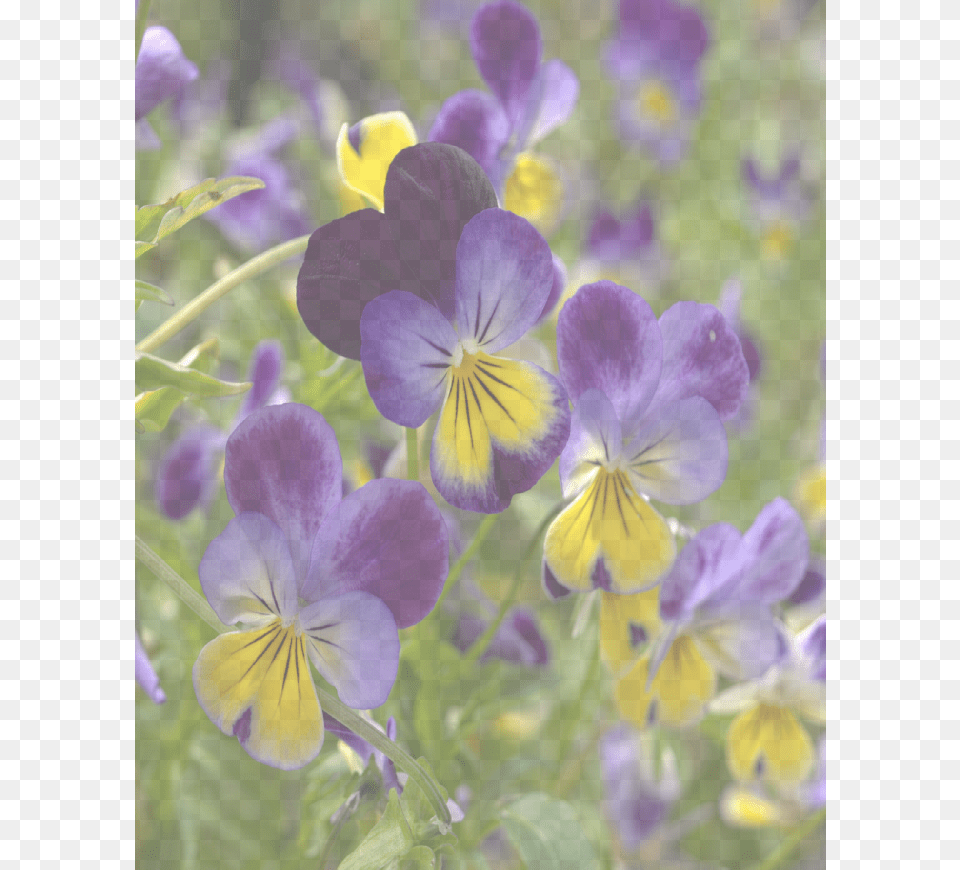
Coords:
529,99
716,606
161,73
424,294
518,640
145,674
649,397
729,306
654,60
778,203
187,475
312,576
257,219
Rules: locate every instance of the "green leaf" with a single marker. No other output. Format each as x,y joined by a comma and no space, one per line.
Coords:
547,834
153,373
154,407
149,293
143,247
419,858
156,222
203,356
390,839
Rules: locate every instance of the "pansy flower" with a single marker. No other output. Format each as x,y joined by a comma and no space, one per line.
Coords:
655,59
162,72
426,294
649,397
528,99
518,640
766,741
187,475
313,577
778,203
716,608
729,306
146,675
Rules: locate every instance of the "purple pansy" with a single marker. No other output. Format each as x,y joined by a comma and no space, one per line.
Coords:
145,674
257,219
187,474
649,397
528,98
778,202
313,576
655,59
636,801
518,640
424,294
162,71
729,306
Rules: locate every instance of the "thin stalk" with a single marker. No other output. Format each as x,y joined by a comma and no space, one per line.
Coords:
196,306
790,842
184,591
413,455
467,555
378,740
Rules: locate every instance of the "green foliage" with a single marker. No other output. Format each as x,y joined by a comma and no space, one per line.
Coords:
547,834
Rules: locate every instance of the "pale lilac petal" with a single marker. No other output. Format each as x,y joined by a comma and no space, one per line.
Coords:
679,453
146,137
812,585
553,98
162,70
506,47
406,350
387,539
703,564
813,647
283,461
145,674
701,357
187,474
247,574
595,438
740,640
608,338
775,553
266,367
559,285
352,640
504,278
474,121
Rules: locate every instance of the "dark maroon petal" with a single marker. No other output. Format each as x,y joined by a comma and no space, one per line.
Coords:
431,192
348,262
474,121
187,475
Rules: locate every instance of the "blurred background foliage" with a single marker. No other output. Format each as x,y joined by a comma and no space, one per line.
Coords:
497,729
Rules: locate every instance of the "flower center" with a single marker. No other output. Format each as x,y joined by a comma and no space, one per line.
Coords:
656,102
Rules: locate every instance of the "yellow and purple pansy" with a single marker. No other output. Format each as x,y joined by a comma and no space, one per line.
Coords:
649,397
313,577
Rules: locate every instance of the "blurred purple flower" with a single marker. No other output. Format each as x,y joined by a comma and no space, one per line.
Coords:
778,203
654,59
257,219
322,99
145,674
162,71
202,102
187,474
518,640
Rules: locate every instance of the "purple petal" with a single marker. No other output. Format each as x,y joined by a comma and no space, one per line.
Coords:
679,453
556,290
703,564
203,100
348,262
387,539
608,338
352,640
365,750
145,674
187,474
504,278
247,574
812,585
431,193
407,348
162,70
676,33
506,47
283,461
518,640
813,647
603,237
701,357
146,136
553,98
775,552
741,640
595,438
474,121
266,366
551,585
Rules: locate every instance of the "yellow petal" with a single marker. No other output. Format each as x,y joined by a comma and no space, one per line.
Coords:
811,494
627,625
609,521
533,190
257,685
747,809
382,137
684,683
767,741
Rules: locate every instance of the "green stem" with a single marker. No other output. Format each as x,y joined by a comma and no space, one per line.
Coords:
184,591
378,740
413,455
481,643
141,24
196,306
789,843
467,555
